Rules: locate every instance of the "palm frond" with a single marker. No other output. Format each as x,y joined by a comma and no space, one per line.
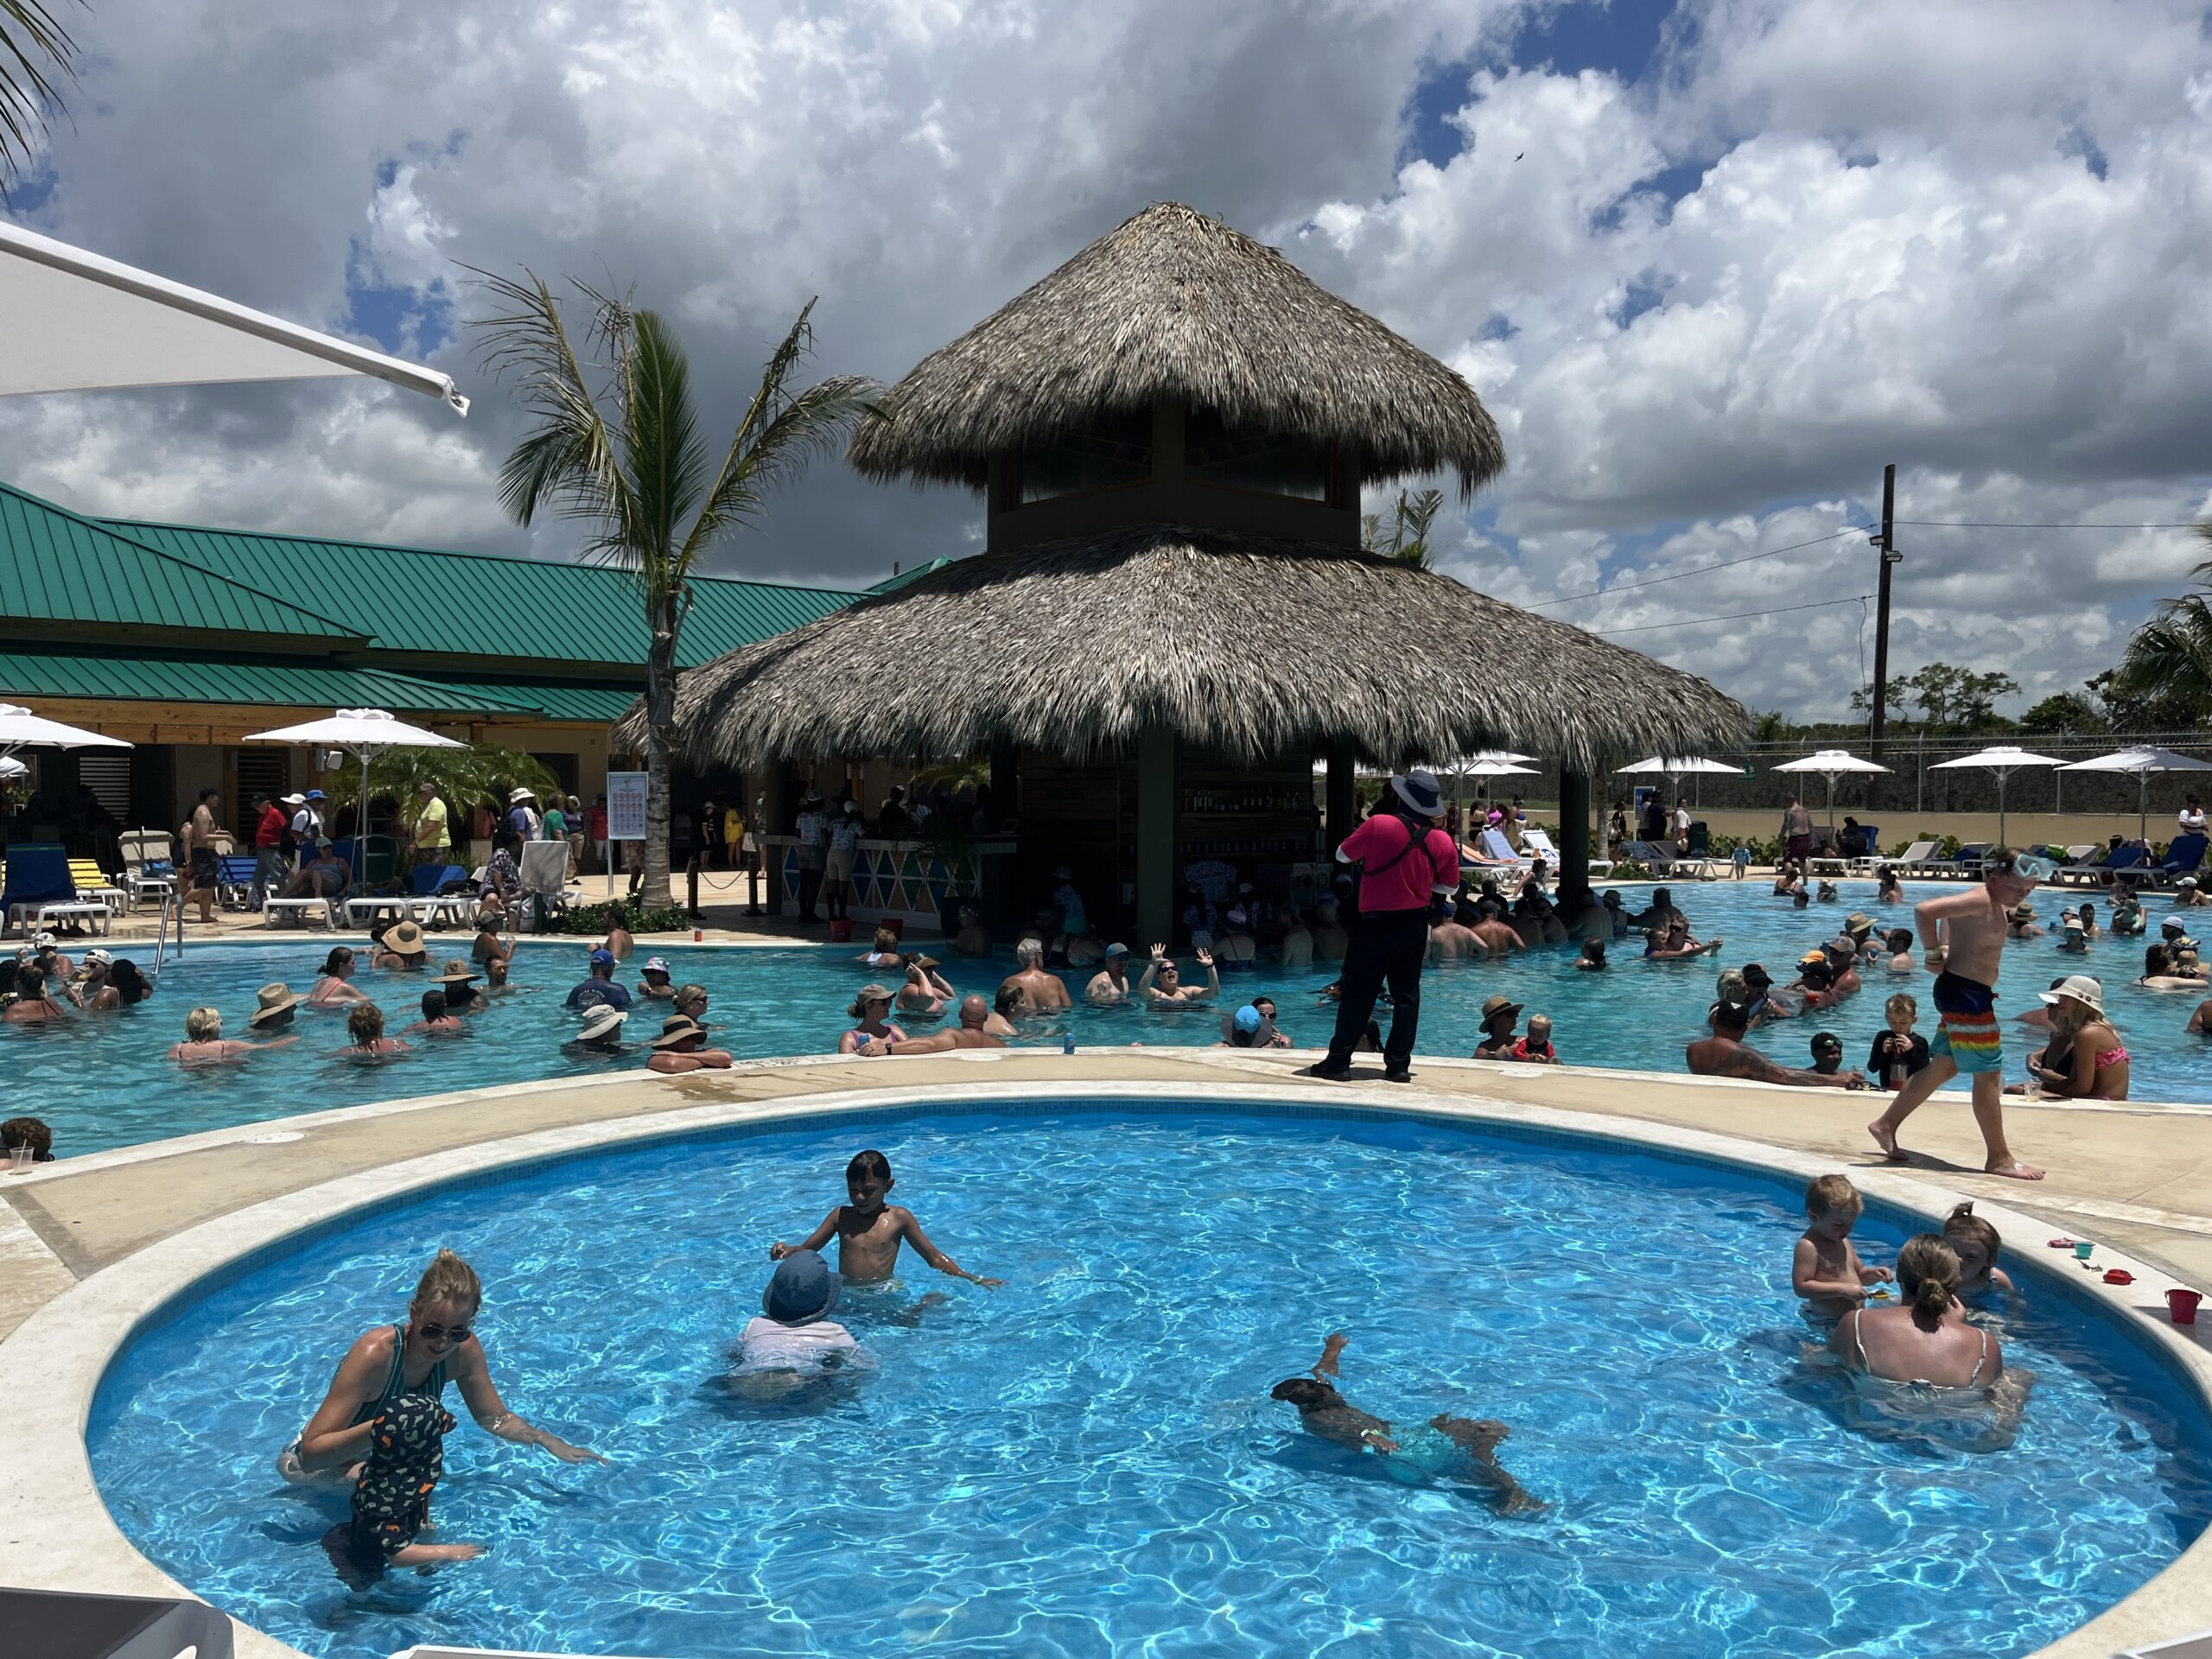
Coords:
34,49
569,459
781,431
661,450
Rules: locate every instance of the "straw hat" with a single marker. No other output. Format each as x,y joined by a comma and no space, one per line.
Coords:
2023,912
457,972
1858,923
1497,1005
406,940
678,1028
2082,988
274,998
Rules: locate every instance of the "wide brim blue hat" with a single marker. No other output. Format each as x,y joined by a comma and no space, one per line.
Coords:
1421,790
802,1290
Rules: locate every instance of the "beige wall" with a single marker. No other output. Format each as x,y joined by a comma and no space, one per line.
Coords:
2023,828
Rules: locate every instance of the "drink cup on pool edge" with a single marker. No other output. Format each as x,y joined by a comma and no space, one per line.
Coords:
2182,1304
19,1158
2081,1248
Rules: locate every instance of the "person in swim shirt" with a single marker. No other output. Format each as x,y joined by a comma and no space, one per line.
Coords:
1452,1448
435,1344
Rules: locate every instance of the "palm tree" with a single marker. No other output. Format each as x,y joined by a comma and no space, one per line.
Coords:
33,47
2166,671
617,444
1407,540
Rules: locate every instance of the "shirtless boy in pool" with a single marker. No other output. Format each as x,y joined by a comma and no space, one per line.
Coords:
1963,937
868,1231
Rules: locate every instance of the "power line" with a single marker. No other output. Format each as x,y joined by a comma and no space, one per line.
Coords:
1977,523
1628,587
1735,616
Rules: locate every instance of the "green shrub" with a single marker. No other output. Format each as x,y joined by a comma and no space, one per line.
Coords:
592,919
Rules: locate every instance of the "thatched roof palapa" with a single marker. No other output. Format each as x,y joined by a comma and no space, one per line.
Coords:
1252,644
1174,304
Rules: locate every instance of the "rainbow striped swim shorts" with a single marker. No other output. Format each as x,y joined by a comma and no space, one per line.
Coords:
1968,1032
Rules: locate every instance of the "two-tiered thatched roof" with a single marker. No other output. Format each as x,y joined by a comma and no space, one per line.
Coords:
1174,304
1254,645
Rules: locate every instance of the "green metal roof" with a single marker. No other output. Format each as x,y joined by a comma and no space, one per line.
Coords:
58,566
31,674
452,604
602,705
893,584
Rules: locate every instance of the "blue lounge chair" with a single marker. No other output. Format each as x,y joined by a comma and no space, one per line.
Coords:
39,889
2128,855
2185,856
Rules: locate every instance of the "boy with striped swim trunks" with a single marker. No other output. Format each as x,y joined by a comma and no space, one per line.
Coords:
1963,939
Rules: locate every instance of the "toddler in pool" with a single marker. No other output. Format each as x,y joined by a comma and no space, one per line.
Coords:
1824,1268
1975,1243
391,1500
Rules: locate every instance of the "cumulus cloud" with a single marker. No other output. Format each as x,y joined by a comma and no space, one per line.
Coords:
1706,306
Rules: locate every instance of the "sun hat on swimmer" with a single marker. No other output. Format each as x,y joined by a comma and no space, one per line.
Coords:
678,1028
406,940
602,1021
2082,988
457,972
1497,1005
802,1290
274,998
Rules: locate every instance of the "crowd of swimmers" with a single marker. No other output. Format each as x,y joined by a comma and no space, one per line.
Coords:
378,1433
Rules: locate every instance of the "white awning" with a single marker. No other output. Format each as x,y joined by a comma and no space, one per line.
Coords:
77,322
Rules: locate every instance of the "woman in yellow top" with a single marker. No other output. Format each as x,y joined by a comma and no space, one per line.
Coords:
433,845
733,832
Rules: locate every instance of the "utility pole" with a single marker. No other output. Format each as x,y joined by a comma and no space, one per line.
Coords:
1886,544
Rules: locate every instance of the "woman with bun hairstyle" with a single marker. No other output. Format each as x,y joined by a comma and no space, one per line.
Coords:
1927,1340
437,1345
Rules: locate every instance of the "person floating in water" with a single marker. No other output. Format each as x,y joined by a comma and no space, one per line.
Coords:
793,1343
869,1232
1459,1449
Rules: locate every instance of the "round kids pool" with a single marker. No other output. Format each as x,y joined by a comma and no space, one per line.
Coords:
1088,1461
103,1081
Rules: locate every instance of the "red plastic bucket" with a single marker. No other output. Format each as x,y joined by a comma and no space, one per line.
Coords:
840,929
896,924
2182,1304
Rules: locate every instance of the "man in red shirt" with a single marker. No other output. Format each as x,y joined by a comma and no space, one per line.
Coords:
269,826
1407,863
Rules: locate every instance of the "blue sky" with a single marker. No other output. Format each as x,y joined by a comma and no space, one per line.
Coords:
1751,250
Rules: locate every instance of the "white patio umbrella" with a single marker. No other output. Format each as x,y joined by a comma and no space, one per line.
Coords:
1831,764
364,731
2142,761
2004,760
100,324
21,730
1672,767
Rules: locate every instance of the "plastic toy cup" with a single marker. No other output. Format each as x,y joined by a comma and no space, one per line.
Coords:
19,1159
2081,1248
2182,1304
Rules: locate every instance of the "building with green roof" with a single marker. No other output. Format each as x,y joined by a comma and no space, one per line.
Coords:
182,639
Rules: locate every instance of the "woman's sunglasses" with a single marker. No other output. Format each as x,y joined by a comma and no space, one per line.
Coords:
457,1333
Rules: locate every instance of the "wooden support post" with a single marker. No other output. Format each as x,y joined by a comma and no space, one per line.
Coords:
1343,792
1573,831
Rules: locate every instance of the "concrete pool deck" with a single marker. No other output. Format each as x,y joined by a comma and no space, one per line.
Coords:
89,1245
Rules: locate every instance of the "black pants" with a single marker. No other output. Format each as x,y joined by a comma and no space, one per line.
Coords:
1388,944
810,889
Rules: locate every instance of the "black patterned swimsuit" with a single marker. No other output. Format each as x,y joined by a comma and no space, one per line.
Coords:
392,1501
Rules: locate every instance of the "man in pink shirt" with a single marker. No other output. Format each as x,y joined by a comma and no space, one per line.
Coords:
1407,863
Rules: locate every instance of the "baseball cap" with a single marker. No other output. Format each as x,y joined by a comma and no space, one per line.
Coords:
600,953
1248,1018
1118,950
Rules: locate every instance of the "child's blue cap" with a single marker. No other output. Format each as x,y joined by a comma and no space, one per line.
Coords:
1248,1018
802,1291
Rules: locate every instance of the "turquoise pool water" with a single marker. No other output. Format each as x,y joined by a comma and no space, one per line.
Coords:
103,1081
1087,1462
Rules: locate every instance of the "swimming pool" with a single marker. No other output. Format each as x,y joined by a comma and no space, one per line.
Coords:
101,1081
1087,1462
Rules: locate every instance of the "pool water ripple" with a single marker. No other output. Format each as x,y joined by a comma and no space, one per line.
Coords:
1087,1462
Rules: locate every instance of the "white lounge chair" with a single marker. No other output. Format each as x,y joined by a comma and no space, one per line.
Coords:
1909,862
1539,842
303,909
141,848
